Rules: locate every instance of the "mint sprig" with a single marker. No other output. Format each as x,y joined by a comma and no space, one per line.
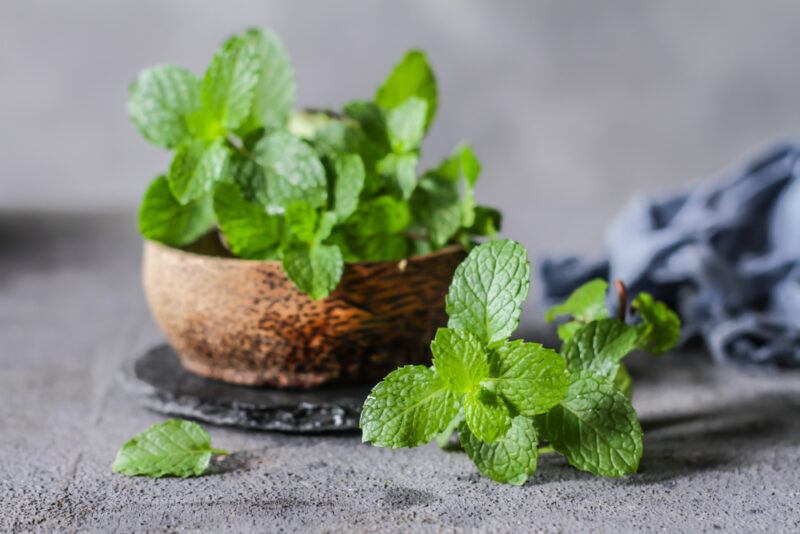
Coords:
311,189
506,396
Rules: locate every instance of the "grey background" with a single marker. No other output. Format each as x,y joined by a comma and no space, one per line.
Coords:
572,105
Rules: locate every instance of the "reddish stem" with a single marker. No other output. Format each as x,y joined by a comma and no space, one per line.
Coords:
622,299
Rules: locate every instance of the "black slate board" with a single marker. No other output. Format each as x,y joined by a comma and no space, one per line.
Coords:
159,382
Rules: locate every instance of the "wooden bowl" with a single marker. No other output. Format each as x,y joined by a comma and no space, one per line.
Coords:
243,321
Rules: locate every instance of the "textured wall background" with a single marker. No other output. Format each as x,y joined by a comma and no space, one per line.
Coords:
572,105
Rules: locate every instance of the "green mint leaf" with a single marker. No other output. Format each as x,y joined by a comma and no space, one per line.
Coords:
595,427
197,166
528,376
315,269
408,408
325,226
293,172
274,91
444,438
436,206
164,219
172,448
568,329
660,329
350,174
585,304
599,347
459,359
160,102
228,86
470,166
486,415
378,247
371,120
249,231
406,125
511,460
412,76
486,221
381,215
402,169
301,219
623,382
249,176
488,290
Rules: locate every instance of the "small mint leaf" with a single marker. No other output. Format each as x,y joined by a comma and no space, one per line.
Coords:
402,169
568,329
172,448
660,329
408,408
228,85
595,427
406,125
350,174
599,347
585,304
459,359
371,119
160,102
486,415
510,460
488,290
528,376
435,204
314,269
301,219
197,166
249,231
487,221
164,219
412,76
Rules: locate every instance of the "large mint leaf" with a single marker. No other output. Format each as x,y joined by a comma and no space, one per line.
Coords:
160,103
381,215
459,359
164,219
249,231
528,376
315,269
412,76
274,91
228,85
350,176
511,460
402,169
486,415
585,304
660,329
488,290
435,204
197,166
406,124
408,408
599,347
172,448
293,172
595,427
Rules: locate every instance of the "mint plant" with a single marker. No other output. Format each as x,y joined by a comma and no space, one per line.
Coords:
507,398
311,189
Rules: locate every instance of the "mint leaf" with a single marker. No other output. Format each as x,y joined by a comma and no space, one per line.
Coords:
443,439
315,269
486,221
435,204
459,359
470,169
381,215
249,231
595,427
228,85
164,219
406,124
371,120
488,290
160,102
486,415
350,176
274,90
249,176
412,76
196,167
293,172
585,304
660,329
301,219
172,448
408,408
568,329
378,247
623,382
510,460
402,169
599,347
528,376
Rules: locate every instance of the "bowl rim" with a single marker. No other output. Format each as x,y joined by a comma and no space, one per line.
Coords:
444,251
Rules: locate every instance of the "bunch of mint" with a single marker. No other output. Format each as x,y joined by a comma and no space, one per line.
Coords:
507,397
311,189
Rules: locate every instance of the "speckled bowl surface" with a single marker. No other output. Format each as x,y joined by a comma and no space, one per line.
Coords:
243,321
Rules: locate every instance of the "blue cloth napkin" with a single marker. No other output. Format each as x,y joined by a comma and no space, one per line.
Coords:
725,255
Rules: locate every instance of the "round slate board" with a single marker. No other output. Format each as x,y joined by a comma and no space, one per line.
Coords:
159,382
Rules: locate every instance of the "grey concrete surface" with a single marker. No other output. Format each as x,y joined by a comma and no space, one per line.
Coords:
721,446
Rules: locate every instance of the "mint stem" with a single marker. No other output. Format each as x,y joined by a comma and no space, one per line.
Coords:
622,298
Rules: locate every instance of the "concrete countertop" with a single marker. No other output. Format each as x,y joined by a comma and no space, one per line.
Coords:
721,445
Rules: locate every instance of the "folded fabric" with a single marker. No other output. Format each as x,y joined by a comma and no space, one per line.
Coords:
725,255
